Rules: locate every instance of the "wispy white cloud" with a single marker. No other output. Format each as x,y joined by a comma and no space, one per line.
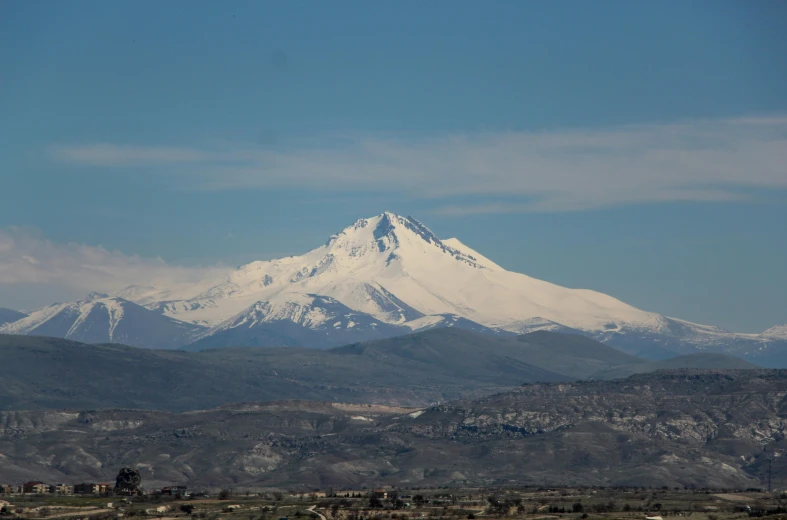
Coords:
717,160
29,260
103,154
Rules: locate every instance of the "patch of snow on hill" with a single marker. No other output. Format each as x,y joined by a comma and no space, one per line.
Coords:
777,332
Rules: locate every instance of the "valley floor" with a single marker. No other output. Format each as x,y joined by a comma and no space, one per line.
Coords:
406,503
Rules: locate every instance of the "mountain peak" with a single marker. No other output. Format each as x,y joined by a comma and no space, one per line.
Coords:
395,235
390,225
93,296
102,319
387,223
397,270
778,332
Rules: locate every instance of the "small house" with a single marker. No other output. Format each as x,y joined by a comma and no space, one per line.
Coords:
62,489
92,488
173,490
35,487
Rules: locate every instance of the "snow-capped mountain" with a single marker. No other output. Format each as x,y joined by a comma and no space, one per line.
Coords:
319,322
307,320
777,332
397,270
387,275
101,319
441,321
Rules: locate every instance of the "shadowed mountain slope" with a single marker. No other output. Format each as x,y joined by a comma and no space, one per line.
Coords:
698,361
10,315
431,366
467,354
42,372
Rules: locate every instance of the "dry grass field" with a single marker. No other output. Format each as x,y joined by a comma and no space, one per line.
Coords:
405,504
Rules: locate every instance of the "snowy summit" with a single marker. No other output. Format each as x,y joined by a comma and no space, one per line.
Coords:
395,269
382,276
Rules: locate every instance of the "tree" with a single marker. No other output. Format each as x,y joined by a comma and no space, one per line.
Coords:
187,508
224,494
496,506
128,482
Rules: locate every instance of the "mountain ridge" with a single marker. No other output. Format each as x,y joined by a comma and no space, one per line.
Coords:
415,370
394,272
103,319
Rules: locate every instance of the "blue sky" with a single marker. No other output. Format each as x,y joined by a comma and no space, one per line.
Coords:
635,148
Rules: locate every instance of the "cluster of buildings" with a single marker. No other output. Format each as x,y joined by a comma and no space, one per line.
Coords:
37,487
86,488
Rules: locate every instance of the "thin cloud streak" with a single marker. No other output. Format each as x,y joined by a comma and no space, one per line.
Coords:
718,160
26,258
540,206
105,154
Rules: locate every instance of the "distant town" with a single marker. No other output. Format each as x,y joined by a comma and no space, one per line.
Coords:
37,500
103,489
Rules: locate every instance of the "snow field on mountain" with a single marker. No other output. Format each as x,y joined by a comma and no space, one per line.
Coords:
384,275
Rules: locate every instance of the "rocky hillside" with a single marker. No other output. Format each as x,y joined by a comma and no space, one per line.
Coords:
675,428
